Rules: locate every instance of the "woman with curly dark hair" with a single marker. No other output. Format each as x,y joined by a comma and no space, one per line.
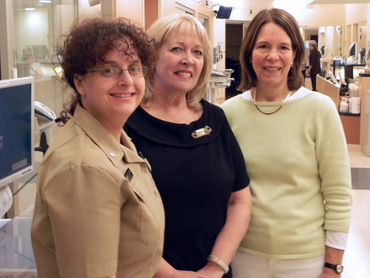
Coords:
98,212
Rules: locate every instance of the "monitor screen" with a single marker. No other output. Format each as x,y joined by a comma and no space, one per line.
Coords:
352,50
224,12
16,128
348,72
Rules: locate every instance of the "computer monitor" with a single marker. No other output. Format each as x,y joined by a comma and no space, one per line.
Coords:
322,50
16,128
352,50
348,72
224,12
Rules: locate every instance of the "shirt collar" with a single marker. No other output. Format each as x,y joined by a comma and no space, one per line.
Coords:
104,140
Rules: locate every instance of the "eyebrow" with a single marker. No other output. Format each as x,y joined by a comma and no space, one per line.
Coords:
115,62
266,42
197,45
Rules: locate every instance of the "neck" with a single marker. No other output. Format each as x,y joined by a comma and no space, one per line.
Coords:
172,110
114,128
169,96
270,94
115,132
169,101
113,124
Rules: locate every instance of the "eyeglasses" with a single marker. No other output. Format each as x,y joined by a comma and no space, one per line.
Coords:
114,72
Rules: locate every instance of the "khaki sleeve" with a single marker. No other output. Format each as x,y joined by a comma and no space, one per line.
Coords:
84,204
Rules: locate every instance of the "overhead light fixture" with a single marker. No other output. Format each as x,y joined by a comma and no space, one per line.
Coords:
94,2
288,3
45,1
29,9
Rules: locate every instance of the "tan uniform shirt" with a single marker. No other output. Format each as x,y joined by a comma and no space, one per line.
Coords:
97,210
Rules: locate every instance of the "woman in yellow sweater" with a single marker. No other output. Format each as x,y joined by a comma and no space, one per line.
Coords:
294,145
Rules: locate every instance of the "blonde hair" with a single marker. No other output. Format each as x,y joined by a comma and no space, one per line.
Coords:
182,24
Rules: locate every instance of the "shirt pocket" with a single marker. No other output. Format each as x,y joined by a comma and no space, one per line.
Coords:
147,223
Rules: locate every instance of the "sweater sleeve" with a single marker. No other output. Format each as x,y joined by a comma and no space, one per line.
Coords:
241,178
334,168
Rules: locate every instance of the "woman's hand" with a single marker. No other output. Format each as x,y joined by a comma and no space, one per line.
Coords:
333,256
189,274
165,270
228,240
211,270
330,275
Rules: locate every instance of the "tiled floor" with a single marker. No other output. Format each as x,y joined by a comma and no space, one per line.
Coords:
357,256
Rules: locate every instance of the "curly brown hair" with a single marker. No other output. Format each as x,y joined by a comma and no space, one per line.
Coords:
87,43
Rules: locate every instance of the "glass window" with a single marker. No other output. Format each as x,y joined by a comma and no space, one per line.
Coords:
38,25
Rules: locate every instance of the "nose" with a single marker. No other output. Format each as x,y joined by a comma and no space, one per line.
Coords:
125,78
188,59
273,55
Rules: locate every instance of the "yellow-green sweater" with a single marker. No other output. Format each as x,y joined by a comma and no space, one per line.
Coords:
298,164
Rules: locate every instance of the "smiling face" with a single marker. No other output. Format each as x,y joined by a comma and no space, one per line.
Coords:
272,56
180,63
112,100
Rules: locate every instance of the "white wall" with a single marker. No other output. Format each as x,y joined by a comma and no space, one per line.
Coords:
356,13
317,15
34,29
246,10
219,38
84,9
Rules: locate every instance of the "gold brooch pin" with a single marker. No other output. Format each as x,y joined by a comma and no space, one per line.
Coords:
201,132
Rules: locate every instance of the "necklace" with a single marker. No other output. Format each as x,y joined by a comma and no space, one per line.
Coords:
273,112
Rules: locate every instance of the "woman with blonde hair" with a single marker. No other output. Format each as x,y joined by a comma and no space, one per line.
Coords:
196,162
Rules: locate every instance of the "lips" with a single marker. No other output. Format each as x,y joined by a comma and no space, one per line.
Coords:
271,69
184,73
126,95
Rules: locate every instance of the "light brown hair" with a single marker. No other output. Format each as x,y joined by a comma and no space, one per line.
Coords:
290,26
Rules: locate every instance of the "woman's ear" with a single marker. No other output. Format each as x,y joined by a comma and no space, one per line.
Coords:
78,80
